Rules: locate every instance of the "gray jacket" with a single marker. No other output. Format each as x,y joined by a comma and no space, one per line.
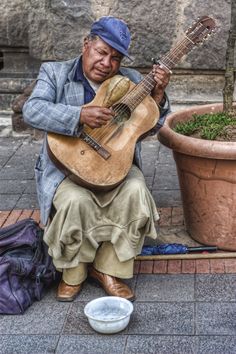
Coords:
54,106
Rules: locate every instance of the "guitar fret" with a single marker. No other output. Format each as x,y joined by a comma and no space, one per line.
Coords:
169,60
189,40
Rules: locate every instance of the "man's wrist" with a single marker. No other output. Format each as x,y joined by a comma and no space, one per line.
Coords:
163,101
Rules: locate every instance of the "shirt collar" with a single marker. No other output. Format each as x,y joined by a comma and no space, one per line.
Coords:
79,75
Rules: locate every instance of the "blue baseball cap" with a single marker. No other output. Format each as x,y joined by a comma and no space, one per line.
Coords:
114,32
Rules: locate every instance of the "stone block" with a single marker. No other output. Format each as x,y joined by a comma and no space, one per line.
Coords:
216,344
215,287
27,201
164,318
163,287
14,23
87,344
40,318
55,29
146,267
215,318
165,198
23,344
160,267
150,344
174,266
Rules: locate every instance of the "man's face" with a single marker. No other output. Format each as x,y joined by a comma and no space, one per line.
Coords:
100,61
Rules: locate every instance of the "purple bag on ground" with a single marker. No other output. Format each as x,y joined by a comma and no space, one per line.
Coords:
26,269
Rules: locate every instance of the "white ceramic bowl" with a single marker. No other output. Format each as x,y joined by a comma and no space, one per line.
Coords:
109,314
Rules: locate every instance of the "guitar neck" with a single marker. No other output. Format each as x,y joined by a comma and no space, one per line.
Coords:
133,98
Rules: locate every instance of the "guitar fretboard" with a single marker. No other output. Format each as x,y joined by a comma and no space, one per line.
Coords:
169,60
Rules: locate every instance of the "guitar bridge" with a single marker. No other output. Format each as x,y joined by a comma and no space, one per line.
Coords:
95,145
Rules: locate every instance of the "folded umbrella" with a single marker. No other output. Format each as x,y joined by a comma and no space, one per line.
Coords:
174,248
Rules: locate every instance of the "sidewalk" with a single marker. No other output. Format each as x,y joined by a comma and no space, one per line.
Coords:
181,307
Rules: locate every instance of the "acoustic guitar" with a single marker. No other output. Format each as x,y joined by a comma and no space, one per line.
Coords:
101,158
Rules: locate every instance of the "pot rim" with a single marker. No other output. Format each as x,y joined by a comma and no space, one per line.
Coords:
195,146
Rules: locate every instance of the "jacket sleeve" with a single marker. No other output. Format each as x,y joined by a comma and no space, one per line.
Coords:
43,112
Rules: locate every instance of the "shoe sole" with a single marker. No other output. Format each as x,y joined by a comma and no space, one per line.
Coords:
66,299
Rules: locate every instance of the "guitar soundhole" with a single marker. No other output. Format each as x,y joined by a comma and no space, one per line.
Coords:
123,113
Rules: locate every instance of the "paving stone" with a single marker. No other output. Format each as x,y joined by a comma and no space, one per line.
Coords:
160,267
16,173
167,287
3,217
26,213
216,318
162,318
25,158
166,156
91,344
136,267
230,265
9,145
202,266
30,187
29,149
12,217
160,345
40,318
177,217
215,287
216,345
27,201
12,187
8,201
217,266
3,161
174,266
76,321
149,182
167,198
146,267
164,180
188,266
28,344
165,216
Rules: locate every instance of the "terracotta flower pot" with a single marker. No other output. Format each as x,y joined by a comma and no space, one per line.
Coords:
207,178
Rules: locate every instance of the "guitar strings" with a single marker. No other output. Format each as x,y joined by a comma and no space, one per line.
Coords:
147,82
145,86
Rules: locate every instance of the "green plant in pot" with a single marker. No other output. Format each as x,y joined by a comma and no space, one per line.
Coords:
206,160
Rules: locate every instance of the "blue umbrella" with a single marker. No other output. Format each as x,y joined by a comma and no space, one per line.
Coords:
174,248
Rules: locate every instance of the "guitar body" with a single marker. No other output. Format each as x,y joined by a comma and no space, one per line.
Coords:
101,158
86,166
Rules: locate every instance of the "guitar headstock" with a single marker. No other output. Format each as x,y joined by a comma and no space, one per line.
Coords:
200,30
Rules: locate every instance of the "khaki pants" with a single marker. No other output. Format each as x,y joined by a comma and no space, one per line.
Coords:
106,261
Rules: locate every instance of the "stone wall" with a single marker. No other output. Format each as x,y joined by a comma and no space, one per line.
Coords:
32,31
54,29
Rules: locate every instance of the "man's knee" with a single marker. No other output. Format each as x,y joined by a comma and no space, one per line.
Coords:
136,185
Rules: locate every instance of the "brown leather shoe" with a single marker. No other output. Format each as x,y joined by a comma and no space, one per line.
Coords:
112,285
67,292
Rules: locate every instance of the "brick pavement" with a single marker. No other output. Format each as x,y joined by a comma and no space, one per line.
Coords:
182,306
169,266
